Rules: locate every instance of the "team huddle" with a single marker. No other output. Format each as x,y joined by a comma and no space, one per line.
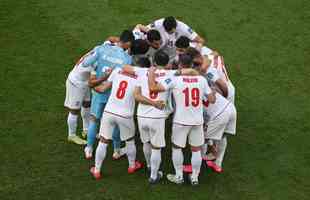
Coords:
166,70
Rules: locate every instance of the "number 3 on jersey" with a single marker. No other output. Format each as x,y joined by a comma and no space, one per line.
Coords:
194,95
121,89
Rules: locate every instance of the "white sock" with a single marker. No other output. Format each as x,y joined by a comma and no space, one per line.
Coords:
85,114
72,124
147,150
196,163
101,152
221,146
204,149
131,152
155,162
178,159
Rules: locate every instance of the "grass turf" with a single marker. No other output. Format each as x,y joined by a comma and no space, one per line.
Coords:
265,44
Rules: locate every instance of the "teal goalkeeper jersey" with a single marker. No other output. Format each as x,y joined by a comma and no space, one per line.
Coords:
106,56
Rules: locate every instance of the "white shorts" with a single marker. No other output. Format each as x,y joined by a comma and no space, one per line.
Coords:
75,96
223,123
180,133
152,130
125,125
231,92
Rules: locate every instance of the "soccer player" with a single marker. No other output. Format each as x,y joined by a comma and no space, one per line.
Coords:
106,57
119,112
151,120
188,92
170,30
78,98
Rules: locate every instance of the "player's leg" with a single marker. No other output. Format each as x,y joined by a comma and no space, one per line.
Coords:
127,133
105,132
85,115
196,140
73,103
143,125
216,133
157,133
118,151
96,114
179,137
230,128
221,147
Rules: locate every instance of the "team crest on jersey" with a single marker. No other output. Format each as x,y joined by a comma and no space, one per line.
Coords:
209,76
190,30
168,81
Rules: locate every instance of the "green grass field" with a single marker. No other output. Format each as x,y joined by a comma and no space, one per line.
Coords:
266,45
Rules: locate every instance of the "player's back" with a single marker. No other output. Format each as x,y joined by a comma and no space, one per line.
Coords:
121,101
188,92
148,110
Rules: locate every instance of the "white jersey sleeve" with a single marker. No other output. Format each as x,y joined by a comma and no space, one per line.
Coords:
185,30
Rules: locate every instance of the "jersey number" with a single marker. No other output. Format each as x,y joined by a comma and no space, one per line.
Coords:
121,89
192,94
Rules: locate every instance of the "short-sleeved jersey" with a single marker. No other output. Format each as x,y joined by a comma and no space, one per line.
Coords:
168,40
121,101
215,109
188,93
106,56
80,74
148,110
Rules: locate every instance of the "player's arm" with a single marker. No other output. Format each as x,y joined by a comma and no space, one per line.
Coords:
103,87
199,39
187,72
222,86
153,86
144,100
113,39
129,69
142,28
94,81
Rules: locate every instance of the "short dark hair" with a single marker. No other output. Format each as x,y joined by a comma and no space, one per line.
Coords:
161,58
126,36
139,47
182,42
153,35
144,62
169,23
186,60
192,52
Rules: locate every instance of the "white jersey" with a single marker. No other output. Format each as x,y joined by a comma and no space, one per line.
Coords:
121,101
204,50
168,40
217,108
188,93
148,110
80,74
